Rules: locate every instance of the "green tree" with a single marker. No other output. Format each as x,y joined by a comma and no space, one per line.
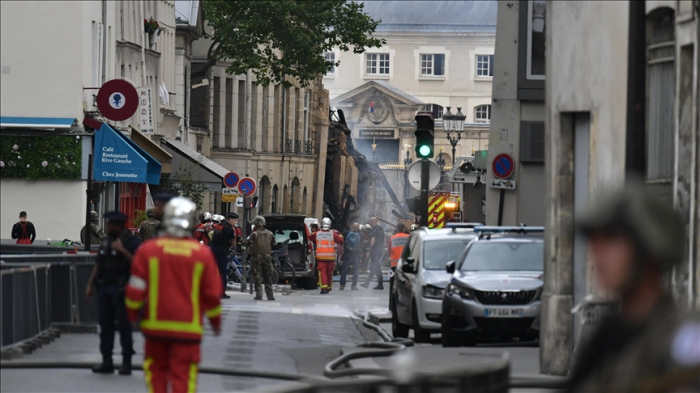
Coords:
184,182
285,38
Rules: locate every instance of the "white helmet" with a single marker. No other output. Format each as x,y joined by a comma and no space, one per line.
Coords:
207,216
326,223
217,217
179,217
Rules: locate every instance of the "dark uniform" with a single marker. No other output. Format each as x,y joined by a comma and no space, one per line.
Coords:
112,275
261,242
96,234
220,242
147,229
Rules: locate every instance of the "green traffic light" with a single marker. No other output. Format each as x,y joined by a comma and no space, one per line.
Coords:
424,150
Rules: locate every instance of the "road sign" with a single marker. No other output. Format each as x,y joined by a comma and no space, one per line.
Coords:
503,166
503,184
231,179
239,201
230,191
414,175
228,198
117,99
247,186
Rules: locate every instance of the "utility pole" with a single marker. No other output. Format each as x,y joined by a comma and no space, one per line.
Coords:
425,135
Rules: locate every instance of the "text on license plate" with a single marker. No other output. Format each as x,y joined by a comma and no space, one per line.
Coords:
503,313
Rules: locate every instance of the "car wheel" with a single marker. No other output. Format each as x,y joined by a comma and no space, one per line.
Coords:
449,337
419,335
398,329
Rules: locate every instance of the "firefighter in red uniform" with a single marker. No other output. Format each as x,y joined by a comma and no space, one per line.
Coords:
174,280
200,232
325,241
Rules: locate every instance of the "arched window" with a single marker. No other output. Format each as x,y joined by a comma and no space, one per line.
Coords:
275,194
482,114
264,195
295,200
285,199
304,203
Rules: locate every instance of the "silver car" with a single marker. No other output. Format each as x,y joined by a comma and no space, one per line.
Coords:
495,288
420,279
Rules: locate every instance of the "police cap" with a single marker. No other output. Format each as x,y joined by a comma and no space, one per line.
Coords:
232,215
115,217
651,222
163,196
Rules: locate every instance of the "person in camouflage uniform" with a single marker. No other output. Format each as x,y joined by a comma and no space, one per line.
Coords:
363,248
651,344
260,245
96,233
148,228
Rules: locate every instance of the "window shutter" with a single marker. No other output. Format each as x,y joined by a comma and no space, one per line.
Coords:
490,65
439,65
532,141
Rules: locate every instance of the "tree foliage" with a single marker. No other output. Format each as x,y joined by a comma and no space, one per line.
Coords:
185,182
280,38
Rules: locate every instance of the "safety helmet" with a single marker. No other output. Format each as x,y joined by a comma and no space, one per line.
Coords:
326,223
651,223
218,218
179,217
207,216
414,227
94,216
150,213
259,221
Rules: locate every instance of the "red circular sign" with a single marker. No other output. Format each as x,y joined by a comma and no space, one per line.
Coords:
117,100
231,179
503,166
247,186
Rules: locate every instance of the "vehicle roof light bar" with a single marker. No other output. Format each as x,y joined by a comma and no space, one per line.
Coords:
496,229
462,225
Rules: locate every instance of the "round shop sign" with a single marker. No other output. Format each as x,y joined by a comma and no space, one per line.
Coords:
117,100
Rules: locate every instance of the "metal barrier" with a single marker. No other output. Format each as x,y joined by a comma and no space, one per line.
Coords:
37,295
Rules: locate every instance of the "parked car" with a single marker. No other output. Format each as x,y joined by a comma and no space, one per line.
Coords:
495,287
420,278
291,228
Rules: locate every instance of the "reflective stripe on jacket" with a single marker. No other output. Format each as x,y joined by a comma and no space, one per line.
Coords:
396,244
176,282
325,245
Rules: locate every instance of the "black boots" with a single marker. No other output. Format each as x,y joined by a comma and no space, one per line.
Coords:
125,369
107,367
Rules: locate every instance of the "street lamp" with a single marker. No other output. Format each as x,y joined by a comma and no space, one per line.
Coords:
453,123
441,161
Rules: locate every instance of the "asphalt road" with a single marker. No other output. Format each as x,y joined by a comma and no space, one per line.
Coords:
298,333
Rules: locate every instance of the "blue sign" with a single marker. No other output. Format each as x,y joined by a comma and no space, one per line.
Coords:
231,179
118,159
247,186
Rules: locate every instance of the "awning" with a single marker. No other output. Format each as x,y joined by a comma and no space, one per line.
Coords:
201,167
37,122
153,149
118,158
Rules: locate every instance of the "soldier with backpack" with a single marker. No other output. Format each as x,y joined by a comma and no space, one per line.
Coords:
148,228
351,258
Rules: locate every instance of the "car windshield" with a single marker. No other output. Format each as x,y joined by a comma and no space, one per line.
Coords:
504,256
438,252
281,235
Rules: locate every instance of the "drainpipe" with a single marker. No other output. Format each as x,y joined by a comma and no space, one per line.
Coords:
248,110
143,47
104,40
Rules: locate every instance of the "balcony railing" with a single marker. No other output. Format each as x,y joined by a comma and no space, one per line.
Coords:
297,147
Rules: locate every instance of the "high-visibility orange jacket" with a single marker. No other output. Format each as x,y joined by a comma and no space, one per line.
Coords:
395,247
325,244
176,282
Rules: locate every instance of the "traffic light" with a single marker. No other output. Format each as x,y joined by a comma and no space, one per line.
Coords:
424,135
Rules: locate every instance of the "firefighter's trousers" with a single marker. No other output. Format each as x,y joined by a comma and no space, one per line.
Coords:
171,363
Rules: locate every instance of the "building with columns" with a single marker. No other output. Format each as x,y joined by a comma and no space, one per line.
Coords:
438,54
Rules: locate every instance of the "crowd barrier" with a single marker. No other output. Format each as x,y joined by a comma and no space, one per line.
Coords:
41,290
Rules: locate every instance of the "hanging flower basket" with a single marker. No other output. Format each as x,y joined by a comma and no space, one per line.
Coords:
151,26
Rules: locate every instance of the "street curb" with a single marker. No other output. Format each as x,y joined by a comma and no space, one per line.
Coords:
378,318
71,328
29,345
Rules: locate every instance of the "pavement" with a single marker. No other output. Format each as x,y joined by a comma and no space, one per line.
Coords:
298,333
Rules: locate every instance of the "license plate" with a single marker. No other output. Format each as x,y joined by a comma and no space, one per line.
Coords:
503,313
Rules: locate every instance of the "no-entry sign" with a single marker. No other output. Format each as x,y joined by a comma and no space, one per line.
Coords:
503,166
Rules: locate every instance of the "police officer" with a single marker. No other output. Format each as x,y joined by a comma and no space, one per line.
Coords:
147,229
110,275
651,345
260,244
96,233
160,199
